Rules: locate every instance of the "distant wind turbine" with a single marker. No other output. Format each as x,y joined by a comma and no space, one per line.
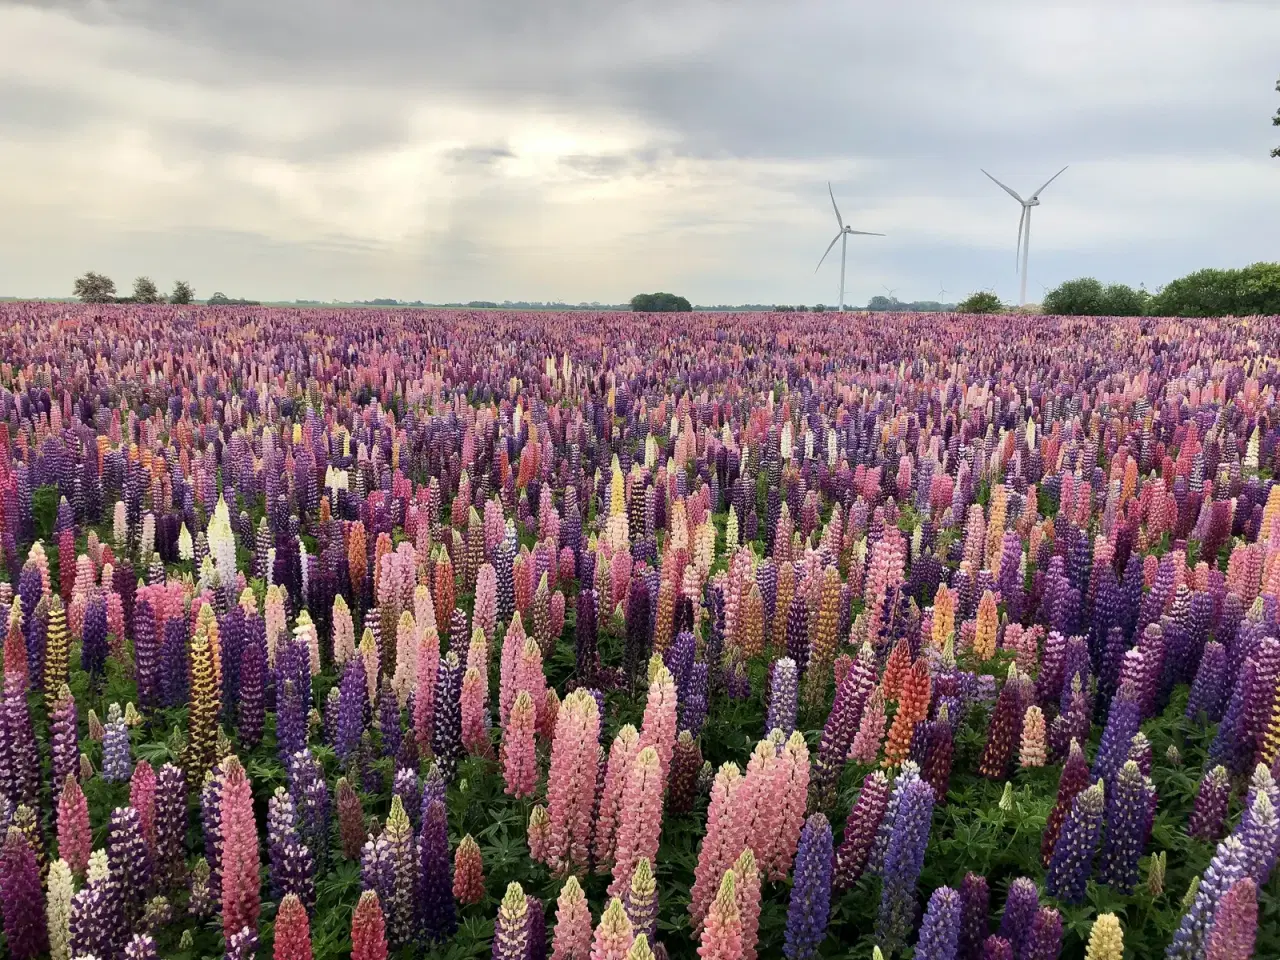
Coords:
1024,225
891,290
843,237
942,294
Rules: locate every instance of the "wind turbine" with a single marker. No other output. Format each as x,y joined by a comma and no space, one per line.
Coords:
843,237
1024,225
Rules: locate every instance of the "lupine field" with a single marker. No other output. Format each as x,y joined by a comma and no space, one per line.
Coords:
620,636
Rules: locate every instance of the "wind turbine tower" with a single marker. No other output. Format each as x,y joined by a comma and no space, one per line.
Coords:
843,237
1024,226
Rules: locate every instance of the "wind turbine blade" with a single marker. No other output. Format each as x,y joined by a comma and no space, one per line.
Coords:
1018,250
1007,190
839,220
828,250
1049,181
865,233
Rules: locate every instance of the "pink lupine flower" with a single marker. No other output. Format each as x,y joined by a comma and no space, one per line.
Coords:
571,781
485,613
519,759
241,863
613,935
725,835
424,697
74,838
142,797
722,933
572,937
626,745
641,826
659,727
474,704
866,742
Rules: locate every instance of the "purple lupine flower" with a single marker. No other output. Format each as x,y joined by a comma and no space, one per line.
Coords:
1209,686
378,869
693,710
352,709
20,774
173,662
146,655
117,761
171,826
94,920
860,829
536,925
1044,942
93,638
211,824
1072,863
638,640
231,639
975,900
292,867
446,733
253,681
587,653
1259,833
1231,745
940,928
1122,723
902,864
797,632
1020,907
1262,692
810,904
309,792
291,722
437,910
21,897
783,690
1127,804
679,658
332,711
997,948
842,724
1142,753
130,862
909,773
407,785
242,946
389,719
1229,864
141,946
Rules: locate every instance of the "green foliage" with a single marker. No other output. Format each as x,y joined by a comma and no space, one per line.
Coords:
983,301
659,303
1087,297
145,291
182,293
220,299
1251,291
95,288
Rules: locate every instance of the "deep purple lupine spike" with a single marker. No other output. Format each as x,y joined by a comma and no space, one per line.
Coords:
130,862
1020,907
437,910
252,706
860,829
1127,805
842,724
810,903
64,748
352,709
783,691
93,644
1044,941
310,793
21,898
975,903
1229,864
1122,723
446,734
997,948
171,827
1208,688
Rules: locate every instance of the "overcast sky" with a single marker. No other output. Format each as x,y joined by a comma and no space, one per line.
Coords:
590,149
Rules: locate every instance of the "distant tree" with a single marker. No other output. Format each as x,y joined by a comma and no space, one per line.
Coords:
218,299
1121,300
819,308
984,301
95,288
659,303
1275,122
1082,297
182,293
1251,291
145,291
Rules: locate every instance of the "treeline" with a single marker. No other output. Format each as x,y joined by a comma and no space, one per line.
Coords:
1249,291
99,288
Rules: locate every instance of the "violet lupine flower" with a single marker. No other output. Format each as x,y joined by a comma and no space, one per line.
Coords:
352,708
1044,941
1209,686
810,904
242,945
860,829
586,645
842,723
1228,866
1231,746
446,734
130,862
1020,907
309,792
378,869
909,773
211,825
1122,723
638,639
64,747
292,866
1259,833
117,761
141,946
291,722
1072,863
1127,805
389,719
407,785
253,680
437,910
511,929
783,691
536,925
21,898
975,901
173,662
693,709
93,643
902,864
95,920
940,928
171,827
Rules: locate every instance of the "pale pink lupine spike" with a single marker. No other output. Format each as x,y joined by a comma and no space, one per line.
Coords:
658,729
625,747
519,757
613,934
571,939
571,781
724,835
424,697
641,827
722,933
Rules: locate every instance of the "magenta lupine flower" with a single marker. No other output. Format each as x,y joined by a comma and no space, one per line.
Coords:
1044,942
1074,779
997,948
1020,907
810,904
842,724
21,898
975,901
1072,863
940,928
902,864
861,828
